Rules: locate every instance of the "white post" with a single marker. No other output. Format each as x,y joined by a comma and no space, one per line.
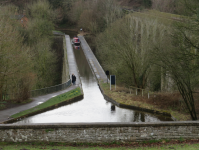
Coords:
136,91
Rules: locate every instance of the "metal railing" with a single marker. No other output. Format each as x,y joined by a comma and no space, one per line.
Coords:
140,91
51,89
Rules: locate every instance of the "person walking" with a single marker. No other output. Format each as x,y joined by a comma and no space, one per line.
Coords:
73,79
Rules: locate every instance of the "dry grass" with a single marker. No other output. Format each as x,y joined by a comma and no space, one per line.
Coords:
165,102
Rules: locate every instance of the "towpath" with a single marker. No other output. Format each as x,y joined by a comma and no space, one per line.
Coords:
92,60
4,114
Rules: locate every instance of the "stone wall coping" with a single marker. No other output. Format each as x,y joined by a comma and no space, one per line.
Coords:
97,125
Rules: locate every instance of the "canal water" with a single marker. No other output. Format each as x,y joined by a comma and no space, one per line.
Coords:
93,108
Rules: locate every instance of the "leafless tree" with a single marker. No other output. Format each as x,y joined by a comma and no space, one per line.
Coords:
178,54
120,51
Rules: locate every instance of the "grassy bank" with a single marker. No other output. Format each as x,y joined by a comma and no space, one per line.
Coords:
51,102
163,102
187,145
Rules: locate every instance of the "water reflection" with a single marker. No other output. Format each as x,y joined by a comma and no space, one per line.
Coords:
76,46
93,108
112,107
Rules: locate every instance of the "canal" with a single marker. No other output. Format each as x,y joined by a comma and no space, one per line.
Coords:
93,108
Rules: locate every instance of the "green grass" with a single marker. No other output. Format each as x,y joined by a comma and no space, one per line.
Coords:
164,14
53,101
50,146
157,17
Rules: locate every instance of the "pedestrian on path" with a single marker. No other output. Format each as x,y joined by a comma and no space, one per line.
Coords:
73,79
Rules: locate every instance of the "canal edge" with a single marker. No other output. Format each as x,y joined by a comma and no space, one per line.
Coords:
120,104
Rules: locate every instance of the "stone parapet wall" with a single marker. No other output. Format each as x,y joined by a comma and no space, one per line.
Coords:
98,132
